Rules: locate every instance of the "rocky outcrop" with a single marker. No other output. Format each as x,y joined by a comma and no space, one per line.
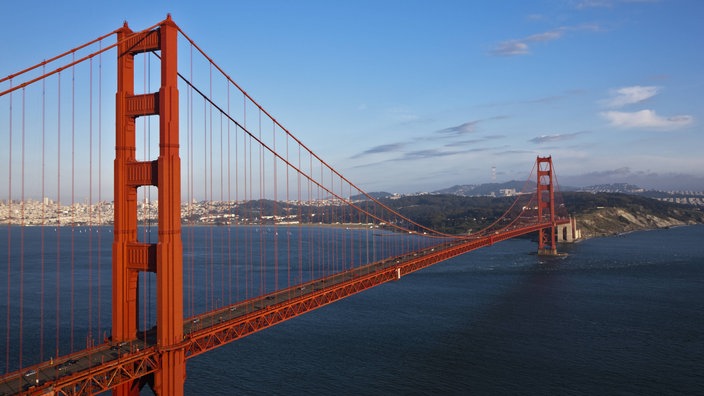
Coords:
616,220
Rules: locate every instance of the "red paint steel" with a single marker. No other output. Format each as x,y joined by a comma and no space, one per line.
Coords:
546,203
129,255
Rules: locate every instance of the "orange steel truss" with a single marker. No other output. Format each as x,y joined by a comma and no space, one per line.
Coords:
130,370
130,256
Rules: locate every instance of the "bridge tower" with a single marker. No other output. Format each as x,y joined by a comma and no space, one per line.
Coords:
130,256
546,206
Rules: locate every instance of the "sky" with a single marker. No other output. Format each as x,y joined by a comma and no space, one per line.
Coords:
407,96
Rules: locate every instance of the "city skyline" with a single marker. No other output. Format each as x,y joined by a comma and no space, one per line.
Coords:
409,96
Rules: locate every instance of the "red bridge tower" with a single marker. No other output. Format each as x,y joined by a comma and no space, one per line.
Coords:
130,256
546,203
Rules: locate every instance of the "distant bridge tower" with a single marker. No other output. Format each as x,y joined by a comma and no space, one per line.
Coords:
546,206
130,256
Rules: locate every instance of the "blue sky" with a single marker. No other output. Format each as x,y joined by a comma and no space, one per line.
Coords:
408,96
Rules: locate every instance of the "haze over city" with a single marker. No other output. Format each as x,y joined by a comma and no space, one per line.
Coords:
407,96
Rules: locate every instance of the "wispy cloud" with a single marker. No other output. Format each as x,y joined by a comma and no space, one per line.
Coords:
464,142
594,4
647,179
556,138
430,153
467,127
521,46
510,48
629,95
550,99
646,119
584,4
384,148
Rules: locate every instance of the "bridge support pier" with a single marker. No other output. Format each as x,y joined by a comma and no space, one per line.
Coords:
173,366
568,232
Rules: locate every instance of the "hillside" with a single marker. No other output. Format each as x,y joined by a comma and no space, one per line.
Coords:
603,214
597,214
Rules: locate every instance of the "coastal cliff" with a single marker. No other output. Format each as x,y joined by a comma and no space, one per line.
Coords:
611,214
597,214
611,221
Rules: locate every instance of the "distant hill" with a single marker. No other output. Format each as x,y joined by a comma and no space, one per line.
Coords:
613,188
603,209
600,214
486,189
695,198
597,214
375,195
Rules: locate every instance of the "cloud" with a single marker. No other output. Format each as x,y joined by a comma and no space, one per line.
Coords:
521,46
646,119
555,138
584,4
645,179
594,3
464,142
430,153
435,153
510,48
467,127
384,148
539,101
609,173
628,95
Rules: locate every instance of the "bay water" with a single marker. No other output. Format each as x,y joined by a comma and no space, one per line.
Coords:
618,315
621,315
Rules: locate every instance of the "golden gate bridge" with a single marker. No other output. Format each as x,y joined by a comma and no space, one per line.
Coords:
216,221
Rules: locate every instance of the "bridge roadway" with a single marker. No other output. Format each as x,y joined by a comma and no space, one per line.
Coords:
104,366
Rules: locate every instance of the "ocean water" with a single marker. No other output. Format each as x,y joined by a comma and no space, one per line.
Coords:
621,315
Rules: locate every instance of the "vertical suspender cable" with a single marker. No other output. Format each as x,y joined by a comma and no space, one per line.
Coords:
207,179
73,197
100,184
43,197
288,212
90,202
22,203
311,209
247,146
212,197
221,209
204,192
237,217
58,216
260,164
238,234
229,207
9,243
275,199
299,202
189,178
